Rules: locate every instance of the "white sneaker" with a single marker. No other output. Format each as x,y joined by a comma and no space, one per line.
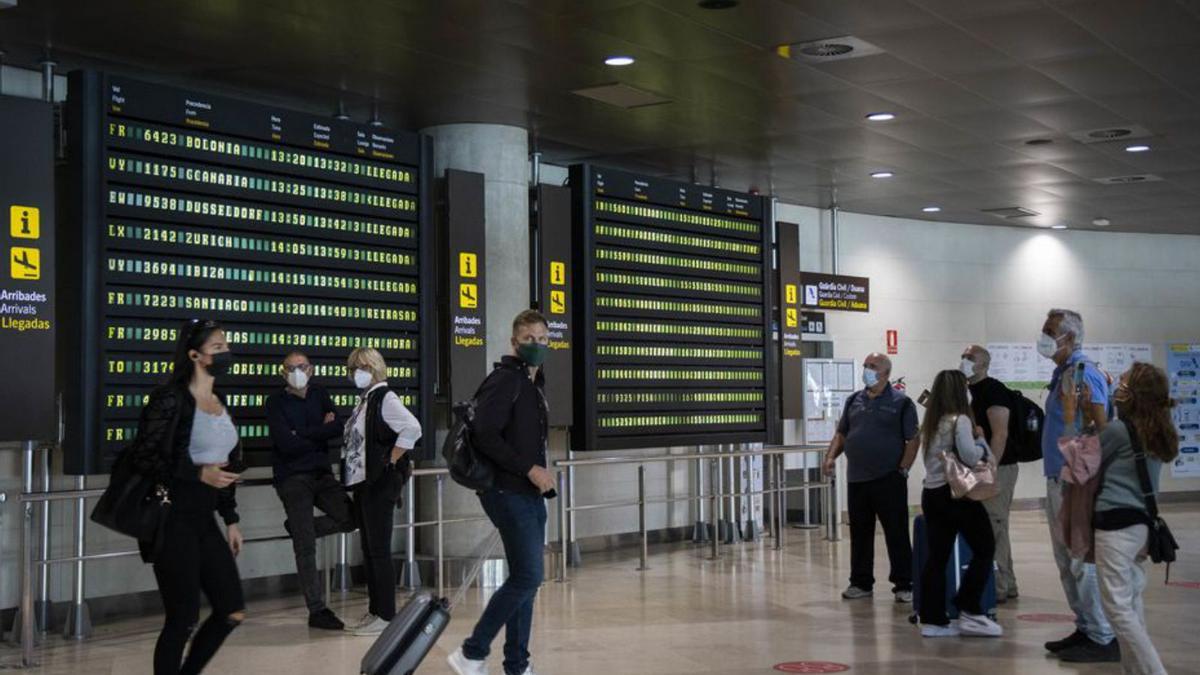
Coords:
978,625
855,593
375,627
904,597
528,671
363,620
464,666
930,630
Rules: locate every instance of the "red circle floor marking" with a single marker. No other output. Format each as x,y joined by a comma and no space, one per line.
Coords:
812,667
1185,584
1047,618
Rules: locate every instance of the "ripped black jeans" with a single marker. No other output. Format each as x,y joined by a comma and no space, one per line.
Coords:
195,558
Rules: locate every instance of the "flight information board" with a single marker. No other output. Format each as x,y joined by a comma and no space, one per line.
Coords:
674,290
292,230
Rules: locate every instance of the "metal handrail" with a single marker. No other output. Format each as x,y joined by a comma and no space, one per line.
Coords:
775,456
778,476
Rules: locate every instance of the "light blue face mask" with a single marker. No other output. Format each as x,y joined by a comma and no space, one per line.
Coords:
870,377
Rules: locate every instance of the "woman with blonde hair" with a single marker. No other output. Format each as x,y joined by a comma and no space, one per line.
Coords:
1144,436
375,466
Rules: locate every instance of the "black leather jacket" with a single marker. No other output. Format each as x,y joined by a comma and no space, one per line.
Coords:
510,425
152,453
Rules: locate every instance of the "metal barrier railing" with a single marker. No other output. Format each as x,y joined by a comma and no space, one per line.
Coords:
776,479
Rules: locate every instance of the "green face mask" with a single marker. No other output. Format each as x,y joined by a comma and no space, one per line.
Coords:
532,353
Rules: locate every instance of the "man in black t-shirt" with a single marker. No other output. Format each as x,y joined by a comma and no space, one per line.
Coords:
990,402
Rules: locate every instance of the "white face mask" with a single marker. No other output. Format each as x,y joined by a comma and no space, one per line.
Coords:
1047,346
968,368
362,378
870,377
298,379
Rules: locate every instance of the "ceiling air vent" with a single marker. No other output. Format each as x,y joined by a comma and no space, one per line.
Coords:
1126,180
622,96
1011,212
829,49
1107,134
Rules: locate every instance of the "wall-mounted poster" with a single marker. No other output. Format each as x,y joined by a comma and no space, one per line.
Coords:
1183,370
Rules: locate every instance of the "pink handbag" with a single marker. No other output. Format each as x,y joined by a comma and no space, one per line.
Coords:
977,483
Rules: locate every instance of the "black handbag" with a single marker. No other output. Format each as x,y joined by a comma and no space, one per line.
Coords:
1162,545
133,504
468,467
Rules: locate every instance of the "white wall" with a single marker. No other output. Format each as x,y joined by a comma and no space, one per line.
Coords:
946,285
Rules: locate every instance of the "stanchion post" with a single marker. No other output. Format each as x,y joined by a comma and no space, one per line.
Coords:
642,516
563,543
41,607
341,569
780,499
700,532
411,577
714,488
441,538
832,514
79,619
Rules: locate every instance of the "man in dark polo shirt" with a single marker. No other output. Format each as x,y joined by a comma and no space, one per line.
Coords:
878,434
991,403
302,421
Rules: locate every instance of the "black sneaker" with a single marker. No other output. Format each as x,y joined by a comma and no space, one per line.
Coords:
1073,640
1092,652
325,620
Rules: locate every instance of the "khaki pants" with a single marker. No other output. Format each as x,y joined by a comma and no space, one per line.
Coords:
998,508
1119,557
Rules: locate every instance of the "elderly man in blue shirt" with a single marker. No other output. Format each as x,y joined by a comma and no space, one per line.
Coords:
1062,341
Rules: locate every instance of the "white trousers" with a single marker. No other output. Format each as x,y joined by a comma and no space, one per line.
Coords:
1119,558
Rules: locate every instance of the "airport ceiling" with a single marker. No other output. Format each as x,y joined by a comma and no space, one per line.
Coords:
993,98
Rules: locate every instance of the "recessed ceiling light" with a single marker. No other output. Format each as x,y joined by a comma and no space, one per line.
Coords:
1101,222
1058,227
619,61
882,174
932,209
1136,148
881,117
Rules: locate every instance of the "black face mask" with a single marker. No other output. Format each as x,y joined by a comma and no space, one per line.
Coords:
221,363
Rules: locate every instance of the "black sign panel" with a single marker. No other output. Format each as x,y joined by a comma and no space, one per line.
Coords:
791,380
27,292
466,287
835,292
813,323
292,230
555,297
673,295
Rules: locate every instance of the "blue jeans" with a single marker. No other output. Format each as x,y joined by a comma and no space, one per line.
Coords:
521,520
1078,577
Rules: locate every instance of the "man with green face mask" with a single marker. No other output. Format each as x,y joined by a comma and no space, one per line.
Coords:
510,427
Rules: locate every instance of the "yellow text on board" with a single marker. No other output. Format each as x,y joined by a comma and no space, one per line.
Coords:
468,296
558,273
24,222
468,265
25,263
558,302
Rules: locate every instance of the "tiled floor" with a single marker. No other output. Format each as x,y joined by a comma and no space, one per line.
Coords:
752,609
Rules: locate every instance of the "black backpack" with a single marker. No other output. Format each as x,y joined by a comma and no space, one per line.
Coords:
468,466
1025,422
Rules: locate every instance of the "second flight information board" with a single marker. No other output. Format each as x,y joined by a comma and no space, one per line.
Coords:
292,230
673,290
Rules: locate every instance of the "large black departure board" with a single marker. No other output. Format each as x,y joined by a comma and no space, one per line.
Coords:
293,230
673,291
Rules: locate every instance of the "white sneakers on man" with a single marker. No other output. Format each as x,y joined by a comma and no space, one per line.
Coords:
978,625
931,630
464,666
373,627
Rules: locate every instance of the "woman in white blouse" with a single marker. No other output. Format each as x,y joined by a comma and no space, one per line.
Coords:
375,466
949,428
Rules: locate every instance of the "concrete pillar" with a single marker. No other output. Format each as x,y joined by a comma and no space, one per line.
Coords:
501,154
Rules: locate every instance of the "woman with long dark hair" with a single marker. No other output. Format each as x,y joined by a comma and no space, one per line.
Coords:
188,442
949,428
1122,518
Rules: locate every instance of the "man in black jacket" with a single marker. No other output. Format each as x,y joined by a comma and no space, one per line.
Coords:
302,421
510,429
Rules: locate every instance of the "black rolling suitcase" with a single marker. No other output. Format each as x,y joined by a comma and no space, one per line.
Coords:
415,629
